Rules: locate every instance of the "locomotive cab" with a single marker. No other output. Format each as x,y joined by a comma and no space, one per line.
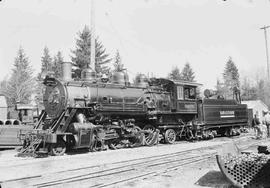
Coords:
183,95
186,96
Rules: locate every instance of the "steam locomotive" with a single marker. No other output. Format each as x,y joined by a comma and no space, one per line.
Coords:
100,113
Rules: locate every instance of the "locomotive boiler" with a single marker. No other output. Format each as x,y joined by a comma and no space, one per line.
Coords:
97,114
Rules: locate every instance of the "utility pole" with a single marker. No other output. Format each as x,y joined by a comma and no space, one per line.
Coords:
266,46
93,42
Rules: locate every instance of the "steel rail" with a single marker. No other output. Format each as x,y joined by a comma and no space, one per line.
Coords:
188,160
140,161
143,163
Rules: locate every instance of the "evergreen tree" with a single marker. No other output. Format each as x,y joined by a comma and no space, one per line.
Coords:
260,87
187,73
267,93
221,90
248,92
47,67
118,66
82,53
231,75
231,78
57,65
174,74
46,61
3,89
20,86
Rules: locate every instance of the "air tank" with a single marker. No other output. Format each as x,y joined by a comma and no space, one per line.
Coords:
76,127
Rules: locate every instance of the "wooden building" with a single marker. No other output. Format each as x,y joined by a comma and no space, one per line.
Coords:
258,107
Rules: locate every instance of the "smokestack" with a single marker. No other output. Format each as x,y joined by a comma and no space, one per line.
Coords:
66,68
93,41
89,73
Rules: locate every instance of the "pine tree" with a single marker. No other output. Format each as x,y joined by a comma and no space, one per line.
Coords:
57,65
47,67
118,66
174,74
220,88
20,86
248,92
230,77
46,61
82,53
260,87
187,73
267,93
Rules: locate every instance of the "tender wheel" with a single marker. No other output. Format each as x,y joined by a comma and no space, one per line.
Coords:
189,135
170,136
59,148
149,135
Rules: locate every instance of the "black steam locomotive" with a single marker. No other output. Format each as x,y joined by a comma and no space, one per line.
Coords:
99,113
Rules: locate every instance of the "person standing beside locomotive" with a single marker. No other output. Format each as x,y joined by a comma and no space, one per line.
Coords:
256,125
266,120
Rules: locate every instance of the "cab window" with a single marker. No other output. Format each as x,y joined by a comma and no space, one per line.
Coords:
180,92
190,93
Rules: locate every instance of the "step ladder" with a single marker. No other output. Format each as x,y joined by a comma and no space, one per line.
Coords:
30,151
41,118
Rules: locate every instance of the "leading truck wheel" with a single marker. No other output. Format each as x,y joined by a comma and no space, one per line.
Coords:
170,136
149,134
59,148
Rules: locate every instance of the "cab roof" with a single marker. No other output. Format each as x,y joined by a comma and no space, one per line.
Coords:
175,82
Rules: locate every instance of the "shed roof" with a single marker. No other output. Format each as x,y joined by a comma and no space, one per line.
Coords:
254,103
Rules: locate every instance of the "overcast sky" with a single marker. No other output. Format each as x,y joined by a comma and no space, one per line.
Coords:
152,36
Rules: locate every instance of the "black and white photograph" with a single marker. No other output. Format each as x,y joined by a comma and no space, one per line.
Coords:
134,94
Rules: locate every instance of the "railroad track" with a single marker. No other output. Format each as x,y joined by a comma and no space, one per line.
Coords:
126,172
129,168
118,173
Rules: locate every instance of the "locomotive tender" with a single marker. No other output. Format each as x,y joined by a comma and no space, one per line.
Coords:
94,113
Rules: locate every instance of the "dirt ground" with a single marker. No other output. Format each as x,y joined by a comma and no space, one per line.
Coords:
204,174
199,175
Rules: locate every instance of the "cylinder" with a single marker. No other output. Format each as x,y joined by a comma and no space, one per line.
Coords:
66,68
76,127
